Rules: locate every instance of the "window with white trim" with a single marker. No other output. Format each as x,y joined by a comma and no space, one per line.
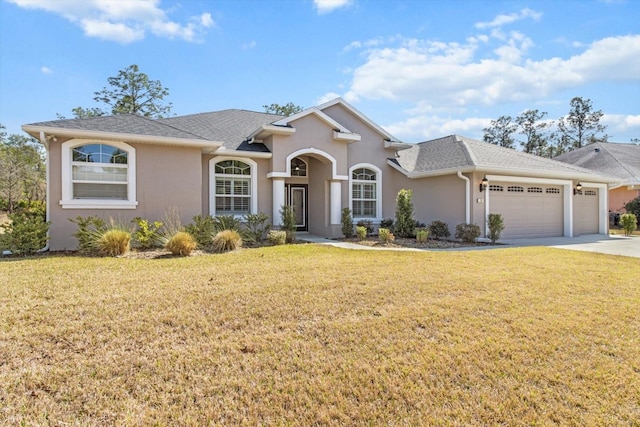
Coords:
233,187
298,167
364,193
98,175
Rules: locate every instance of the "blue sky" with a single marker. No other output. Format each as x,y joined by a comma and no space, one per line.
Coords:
420,69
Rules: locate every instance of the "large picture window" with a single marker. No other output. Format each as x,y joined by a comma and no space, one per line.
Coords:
365,192
234,188
98,175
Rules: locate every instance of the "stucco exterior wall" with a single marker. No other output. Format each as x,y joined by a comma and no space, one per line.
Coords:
618,197
166,176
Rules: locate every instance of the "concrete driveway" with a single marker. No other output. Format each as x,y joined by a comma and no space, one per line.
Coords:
612,245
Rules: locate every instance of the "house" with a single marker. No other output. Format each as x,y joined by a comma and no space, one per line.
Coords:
614,159
319,161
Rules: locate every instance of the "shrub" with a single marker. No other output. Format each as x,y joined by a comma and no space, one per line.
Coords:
182,243
367,224
405,224
361,232
347,223
90,230
468,233
227,240
226,222
256,226
387,223
25,234
633,207
202,230
288,222
496,226
422,235
628,222
439,229
385,236
114,242
147,235
277,237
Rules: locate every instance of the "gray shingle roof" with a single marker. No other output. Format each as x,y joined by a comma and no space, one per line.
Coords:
228,126
608,158
457,152
124,123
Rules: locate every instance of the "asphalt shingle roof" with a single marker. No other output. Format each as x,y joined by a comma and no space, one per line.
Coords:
608,158
458,152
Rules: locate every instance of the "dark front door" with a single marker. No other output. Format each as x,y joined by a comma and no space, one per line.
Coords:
297,198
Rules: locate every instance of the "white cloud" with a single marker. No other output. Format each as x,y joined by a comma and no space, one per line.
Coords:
326,98
424,127
618,124
249,45
46,70
501,20
122,21
326,6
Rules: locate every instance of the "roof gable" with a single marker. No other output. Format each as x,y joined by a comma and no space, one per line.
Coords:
609,158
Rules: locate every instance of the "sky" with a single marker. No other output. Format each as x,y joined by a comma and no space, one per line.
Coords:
420,69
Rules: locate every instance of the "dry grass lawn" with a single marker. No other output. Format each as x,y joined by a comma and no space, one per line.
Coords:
312,335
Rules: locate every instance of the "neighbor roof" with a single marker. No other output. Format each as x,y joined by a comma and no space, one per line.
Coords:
457,153
608,158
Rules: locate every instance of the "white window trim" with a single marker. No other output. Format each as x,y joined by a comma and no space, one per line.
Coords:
68,202
378,182
253,177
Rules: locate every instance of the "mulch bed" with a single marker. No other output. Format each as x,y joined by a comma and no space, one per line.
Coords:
413,243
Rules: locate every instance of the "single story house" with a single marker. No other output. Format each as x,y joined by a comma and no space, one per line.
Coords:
614,159
319,161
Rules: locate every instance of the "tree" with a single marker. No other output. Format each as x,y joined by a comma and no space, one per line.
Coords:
130,92
283,110
500,132
581,126
22,170
532,126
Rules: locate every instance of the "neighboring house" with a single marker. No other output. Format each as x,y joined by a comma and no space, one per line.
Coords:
319,161
614,159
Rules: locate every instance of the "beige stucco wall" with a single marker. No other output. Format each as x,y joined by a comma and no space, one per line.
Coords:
166,176
618,197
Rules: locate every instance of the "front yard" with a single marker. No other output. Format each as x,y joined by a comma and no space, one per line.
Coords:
313,335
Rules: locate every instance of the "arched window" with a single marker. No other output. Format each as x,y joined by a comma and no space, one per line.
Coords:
98,175
298,167
365,191
234,187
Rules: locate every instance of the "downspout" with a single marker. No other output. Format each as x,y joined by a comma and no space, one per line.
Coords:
467,194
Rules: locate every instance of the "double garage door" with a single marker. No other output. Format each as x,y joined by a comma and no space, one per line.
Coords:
528,210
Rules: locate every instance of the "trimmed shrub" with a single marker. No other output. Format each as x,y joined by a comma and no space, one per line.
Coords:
256,227
387,223
439,229
405,225
182,243
496,226
367,224
385,235
26,233
628,222
227,240
361,232
347,223
422,235
288,222
90,230
468,233
147,234
277,237
114,242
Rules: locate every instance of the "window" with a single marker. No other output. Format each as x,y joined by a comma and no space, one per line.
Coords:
234,187
590,193
298,167
365,192
515,189
534,190
552,190
98,175
494,187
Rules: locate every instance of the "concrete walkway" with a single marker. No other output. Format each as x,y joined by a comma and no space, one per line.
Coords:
612,245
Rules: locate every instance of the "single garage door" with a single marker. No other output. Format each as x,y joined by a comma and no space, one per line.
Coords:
528,210
585,208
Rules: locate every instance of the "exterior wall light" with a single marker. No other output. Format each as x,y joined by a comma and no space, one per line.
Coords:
577,189
484,184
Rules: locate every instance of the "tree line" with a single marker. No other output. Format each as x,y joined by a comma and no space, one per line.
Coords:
548,138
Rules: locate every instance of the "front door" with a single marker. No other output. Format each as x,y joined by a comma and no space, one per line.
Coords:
297,199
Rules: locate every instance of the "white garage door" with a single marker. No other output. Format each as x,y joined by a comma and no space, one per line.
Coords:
528,210
586,211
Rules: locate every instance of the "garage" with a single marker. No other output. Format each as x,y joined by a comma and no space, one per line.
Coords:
528,210
586,211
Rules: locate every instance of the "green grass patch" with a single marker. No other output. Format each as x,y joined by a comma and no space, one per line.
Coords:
313,335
